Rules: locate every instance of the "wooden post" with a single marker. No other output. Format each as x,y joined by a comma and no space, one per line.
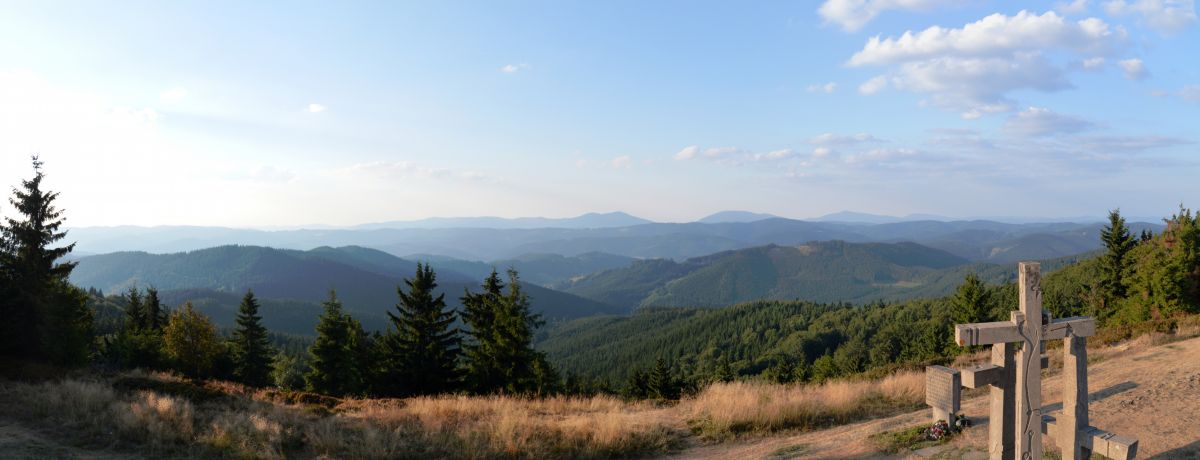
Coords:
1028,411
1074,418
1000,419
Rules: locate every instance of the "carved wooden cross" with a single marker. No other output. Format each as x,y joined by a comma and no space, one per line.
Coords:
1016,379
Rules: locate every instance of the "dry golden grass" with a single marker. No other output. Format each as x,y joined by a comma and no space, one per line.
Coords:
725,409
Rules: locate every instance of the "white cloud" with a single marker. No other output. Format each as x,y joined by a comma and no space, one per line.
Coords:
1134,69
687,153
832,139
622,162
1190,93
1037,121
717,152
822,152
316,108
972,69
1166,16
872,86
827,88
775,155
173,95
852,15
513,68
1075,7
1095,63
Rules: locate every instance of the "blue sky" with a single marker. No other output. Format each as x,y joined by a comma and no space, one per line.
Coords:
286,114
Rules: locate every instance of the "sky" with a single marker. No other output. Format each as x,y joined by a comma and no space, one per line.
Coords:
264,114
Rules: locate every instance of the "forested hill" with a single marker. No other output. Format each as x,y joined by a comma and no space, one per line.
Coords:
830,271
365,279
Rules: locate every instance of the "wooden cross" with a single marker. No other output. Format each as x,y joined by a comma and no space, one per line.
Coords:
1016,378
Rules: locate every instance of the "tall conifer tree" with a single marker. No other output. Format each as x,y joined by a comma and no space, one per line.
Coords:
331,361
1114,265
479,347
514,324
422,349
252,351
45,316
971,301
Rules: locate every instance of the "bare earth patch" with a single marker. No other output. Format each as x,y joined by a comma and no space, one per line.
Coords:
1151,393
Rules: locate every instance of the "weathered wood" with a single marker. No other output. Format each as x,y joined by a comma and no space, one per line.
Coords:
943,392
982,375
1101,442
1028,414
1074,416
1006,331
1001,404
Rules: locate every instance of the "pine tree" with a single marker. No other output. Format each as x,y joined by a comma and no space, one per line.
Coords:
139,344
45,316
513,334
659,381
422,348
135,312
1114,265
156,314
483,372
191,342
971,302
331,361
251,347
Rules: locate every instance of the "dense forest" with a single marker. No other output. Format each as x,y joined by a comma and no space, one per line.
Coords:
485,342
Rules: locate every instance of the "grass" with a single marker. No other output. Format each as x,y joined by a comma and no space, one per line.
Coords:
725,410
162,416
908,439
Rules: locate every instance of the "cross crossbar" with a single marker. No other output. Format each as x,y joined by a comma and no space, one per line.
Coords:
988,374
1007,332
1101,442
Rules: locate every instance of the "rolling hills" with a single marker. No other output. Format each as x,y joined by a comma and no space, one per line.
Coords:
294,282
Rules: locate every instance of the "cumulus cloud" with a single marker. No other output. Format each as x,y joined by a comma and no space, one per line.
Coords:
852,15
1095,63
316,108
622,162
775,155
825,88
1134,69
832,139
1166,16
972,69
872,86
687,153
1038,121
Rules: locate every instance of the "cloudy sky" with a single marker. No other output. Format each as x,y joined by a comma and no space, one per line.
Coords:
255,114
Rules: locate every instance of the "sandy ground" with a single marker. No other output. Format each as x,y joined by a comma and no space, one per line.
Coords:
1150,393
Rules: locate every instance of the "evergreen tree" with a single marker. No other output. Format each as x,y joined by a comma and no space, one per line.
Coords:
44,315
251,348
1114,264
422,348
971,302
139,344
135,312
156,314
331,360
513,325
724,371
638,386
483,374
191,342
659,381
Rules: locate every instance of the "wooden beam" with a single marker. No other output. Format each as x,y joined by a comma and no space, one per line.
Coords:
982,375
1006,331
1101,442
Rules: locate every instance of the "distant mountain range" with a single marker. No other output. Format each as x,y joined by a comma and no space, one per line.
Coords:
293,283
589,220
978,240
831,271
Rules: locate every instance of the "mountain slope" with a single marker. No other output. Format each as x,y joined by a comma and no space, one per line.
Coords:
366,280
830,271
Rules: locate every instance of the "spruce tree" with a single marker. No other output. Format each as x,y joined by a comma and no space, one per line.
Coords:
971,302
1114,264
422,348
331,361
251,347
514,324
483,372
659,381
156,314
44,316
135,312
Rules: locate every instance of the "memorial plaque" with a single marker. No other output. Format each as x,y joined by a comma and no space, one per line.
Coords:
943,391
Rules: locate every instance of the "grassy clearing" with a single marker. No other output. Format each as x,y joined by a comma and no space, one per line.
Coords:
727,409
178,418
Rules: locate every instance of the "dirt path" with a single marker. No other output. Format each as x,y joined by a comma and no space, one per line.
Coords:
19,442
1150,393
